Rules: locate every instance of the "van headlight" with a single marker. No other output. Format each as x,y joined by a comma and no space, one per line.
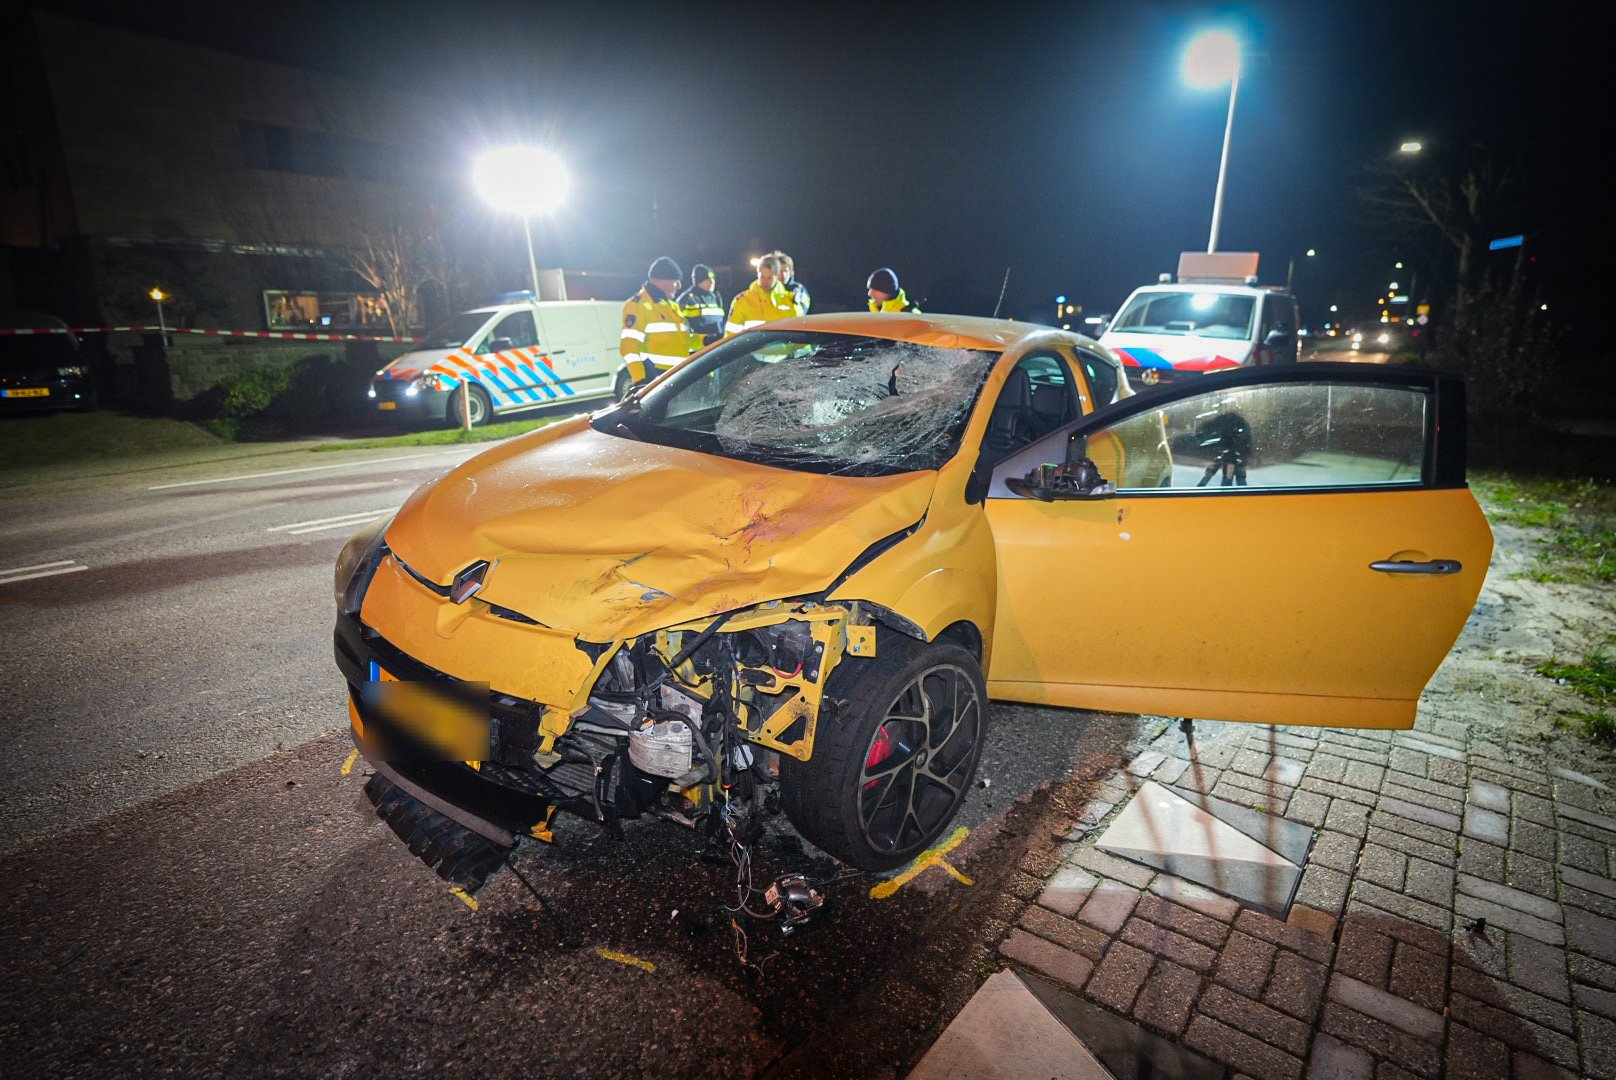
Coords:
357,564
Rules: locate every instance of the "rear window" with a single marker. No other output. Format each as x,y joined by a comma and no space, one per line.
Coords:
1202,314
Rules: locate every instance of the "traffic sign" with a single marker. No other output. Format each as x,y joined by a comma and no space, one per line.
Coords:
1506,242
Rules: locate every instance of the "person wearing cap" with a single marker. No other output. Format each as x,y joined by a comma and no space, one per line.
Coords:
764,301
702,308
788,278
886,294
654,335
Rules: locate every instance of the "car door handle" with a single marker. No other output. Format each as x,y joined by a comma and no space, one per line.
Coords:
1403,566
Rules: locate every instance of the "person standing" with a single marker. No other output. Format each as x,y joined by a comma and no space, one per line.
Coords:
764,301
788,278
654,335
702,308
886,294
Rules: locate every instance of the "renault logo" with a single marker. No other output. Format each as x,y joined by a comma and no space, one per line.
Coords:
468,581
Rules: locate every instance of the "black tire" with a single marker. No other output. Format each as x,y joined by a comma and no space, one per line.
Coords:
482,408
837,798
620,388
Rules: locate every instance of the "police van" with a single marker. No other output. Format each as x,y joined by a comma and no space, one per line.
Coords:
1214,316
507,358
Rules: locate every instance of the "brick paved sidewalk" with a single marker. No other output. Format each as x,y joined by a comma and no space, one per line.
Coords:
1379,970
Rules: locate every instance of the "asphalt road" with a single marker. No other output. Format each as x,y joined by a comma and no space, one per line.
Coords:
197,887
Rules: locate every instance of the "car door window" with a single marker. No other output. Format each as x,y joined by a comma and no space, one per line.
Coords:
1102,376
517,328
1037,398
1283,436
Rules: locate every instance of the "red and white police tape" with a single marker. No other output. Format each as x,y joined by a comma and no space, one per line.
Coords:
283,334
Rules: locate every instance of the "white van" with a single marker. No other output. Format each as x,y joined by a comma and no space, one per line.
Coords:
509,357
1215,316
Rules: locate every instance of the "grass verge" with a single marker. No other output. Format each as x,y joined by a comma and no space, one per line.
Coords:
1578,514
1594,680
443,436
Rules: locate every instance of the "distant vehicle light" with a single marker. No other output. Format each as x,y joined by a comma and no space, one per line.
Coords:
70,370
1356,345
1384,339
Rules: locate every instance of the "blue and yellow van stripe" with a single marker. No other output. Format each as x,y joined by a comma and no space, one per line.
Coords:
515,377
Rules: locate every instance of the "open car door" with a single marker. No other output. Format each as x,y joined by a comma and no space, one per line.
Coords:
1308,555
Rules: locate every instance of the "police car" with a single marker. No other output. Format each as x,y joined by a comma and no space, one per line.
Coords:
1215,316
507,358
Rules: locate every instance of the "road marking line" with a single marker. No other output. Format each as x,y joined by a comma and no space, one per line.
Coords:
463,896
309,468
37,566
340,519
339,525
42,573
347,765
624,958
884,889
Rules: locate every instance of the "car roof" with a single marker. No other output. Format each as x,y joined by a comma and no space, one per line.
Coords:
944,331
30,320
1209,287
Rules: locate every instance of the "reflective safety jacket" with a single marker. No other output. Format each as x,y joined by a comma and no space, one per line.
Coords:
897,303
654,335
757,306
704,314
799,296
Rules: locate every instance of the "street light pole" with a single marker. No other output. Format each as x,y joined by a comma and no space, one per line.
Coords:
532,266
1223,164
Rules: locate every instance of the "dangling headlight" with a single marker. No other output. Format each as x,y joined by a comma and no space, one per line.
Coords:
357,564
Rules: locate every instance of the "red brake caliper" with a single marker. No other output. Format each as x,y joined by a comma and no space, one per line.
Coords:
880,750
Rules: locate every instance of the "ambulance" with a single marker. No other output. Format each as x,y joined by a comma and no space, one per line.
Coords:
508,358
1214,316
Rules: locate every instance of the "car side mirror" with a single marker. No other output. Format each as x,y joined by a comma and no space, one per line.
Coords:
1075,478
1278,336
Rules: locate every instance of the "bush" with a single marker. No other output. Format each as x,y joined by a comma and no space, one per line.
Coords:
250,393
1500,341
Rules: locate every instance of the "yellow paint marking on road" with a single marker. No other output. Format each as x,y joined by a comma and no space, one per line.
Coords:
884,889
624,958
348,764
463,896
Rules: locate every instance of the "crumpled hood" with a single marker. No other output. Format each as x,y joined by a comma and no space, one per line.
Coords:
608,537
1183,351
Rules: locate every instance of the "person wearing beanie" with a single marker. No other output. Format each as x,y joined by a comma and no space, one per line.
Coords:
654,335
788,278
886,294
702,308
764,301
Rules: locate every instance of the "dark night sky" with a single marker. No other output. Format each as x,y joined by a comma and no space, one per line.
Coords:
1058,140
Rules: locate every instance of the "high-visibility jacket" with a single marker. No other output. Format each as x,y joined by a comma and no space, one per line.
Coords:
704,314
757,306
897,303
654,335
799,296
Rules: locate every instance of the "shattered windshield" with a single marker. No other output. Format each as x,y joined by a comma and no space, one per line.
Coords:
835,403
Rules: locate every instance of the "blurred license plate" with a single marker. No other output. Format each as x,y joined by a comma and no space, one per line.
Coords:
38,391
446,728
387,404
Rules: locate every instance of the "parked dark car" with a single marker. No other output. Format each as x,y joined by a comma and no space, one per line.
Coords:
41,365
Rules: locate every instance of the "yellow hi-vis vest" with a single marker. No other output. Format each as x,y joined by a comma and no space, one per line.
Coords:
897,303
654,336
757,306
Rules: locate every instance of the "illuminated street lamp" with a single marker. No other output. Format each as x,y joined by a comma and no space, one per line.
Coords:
1210,61
1410,147
525,180
159,295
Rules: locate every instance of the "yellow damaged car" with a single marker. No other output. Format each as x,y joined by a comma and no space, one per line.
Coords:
792,572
